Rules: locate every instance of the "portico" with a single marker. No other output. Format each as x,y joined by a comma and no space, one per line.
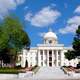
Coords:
49,58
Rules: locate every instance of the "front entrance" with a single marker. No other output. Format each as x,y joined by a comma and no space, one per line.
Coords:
50,57
50,64
26,65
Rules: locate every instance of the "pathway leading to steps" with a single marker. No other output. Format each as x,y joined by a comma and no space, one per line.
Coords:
49,73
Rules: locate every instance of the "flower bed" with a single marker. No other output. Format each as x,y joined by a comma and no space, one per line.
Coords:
70,70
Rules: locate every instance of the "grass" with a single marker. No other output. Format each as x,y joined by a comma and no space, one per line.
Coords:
9,71
16,70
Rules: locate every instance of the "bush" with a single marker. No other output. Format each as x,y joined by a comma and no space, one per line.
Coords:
18,67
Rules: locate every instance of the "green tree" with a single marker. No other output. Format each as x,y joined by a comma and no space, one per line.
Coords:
12,37
76,43
75,53
69,55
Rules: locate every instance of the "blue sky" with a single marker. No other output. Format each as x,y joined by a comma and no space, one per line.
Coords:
62,16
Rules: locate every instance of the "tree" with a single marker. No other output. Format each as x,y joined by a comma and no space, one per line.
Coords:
75,53
69,55
12,37
76,43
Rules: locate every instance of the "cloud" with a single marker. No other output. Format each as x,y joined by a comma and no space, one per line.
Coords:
68,29
74,20
20,1
44,17
29,16
77,10
7,5
41,34
72,25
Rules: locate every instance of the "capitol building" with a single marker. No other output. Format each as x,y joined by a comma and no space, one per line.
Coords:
50,53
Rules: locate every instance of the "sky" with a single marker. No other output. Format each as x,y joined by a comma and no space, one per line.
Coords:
37,16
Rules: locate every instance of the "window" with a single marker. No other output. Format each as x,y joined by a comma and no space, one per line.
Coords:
50,41
45,51
50,53
41,52
54,51
50,58
41,57
41,63
45,62
55,62
59,52
59,55
59,63
50,64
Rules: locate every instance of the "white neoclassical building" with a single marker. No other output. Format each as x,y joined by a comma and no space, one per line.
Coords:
50,53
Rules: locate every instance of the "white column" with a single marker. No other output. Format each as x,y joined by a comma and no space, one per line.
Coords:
39,58
47,57
57,58
43,58
52,58
23,59
62,58
29,62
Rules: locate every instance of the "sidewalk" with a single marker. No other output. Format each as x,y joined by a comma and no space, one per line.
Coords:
51,73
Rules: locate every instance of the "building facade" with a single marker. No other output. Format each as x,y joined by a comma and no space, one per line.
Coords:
50,53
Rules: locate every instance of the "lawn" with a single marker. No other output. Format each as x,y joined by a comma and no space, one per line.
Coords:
9,71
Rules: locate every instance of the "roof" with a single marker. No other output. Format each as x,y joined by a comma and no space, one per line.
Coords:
50,34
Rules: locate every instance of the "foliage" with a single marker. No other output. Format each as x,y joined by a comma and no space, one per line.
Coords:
12,36
69,55
76,42
76,46
9,70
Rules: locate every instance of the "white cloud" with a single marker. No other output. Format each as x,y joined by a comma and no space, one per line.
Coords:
44,17
77,10
6,5
72,25
74,20
41,34
20,1
28,17
68,29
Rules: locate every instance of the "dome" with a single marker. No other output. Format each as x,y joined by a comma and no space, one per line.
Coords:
50,34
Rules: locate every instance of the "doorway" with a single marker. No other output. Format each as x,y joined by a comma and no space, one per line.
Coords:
26,65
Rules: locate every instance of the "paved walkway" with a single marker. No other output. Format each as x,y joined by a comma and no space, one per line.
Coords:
49,73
